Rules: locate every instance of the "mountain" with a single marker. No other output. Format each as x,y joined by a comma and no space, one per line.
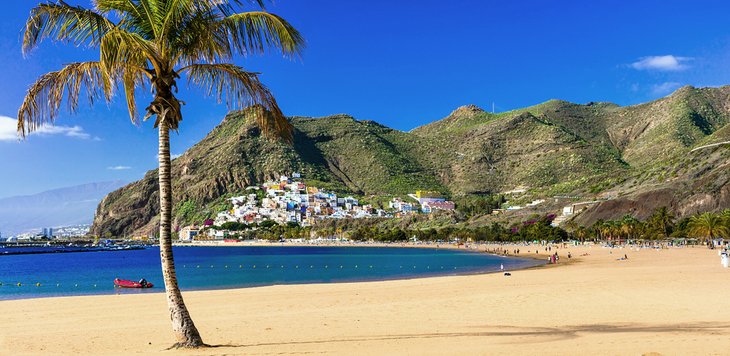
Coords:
639,157
59,207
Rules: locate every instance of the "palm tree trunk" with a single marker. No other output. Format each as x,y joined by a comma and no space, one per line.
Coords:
182,325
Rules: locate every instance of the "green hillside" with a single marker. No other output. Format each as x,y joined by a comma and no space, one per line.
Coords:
554,148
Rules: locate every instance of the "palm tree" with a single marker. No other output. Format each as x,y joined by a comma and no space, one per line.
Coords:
661,222
571,226
597,229
155,42
629,227
725,214
608,230
708,226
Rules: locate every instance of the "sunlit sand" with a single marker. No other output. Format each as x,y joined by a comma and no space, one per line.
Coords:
671,301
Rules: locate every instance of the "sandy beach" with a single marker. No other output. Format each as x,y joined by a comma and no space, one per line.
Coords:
671,301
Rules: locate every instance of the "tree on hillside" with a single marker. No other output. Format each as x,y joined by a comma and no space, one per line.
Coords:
708,226
155,43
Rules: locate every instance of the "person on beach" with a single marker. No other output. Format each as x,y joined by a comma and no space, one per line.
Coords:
501,267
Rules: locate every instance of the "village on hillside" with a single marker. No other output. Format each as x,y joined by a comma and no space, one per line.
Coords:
290,201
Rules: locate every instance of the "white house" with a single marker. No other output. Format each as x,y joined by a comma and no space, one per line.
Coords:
187,233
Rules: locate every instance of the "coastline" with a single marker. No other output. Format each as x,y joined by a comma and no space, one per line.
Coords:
472,247
669,301
524,263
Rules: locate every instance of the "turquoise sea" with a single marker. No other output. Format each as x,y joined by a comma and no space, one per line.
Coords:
85,273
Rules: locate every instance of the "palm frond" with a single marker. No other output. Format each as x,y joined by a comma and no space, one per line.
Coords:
152,15
120,48
133,16
119,7
132,78
63,22
176,11
254,32
240,89
44,98
230,7
192,30
201,42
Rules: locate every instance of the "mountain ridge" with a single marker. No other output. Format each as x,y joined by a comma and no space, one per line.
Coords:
65,206
552,148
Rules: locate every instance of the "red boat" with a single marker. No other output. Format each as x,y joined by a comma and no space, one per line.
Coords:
123,283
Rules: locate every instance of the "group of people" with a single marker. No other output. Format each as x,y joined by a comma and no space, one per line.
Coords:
554,258
502,251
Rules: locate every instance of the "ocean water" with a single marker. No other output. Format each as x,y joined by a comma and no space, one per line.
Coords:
85,273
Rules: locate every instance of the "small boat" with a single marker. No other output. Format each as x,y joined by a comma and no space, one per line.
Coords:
123,283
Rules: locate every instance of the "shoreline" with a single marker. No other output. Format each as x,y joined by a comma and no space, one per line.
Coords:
472,247
364,279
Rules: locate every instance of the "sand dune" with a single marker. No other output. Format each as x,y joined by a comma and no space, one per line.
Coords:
671,301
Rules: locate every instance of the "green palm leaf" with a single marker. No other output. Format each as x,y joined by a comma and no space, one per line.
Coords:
63,22
253,32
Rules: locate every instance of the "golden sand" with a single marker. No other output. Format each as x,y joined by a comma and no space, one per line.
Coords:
671,301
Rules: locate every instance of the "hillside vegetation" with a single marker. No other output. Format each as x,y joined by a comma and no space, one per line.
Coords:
637,156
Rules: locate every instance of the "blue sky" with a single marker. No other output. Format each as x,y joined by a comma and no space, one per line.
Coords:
401,63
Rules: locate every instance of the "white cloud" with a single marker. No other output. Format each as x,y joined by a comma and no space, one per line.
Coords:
119,168
9,131
668,63
664,88
70,131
